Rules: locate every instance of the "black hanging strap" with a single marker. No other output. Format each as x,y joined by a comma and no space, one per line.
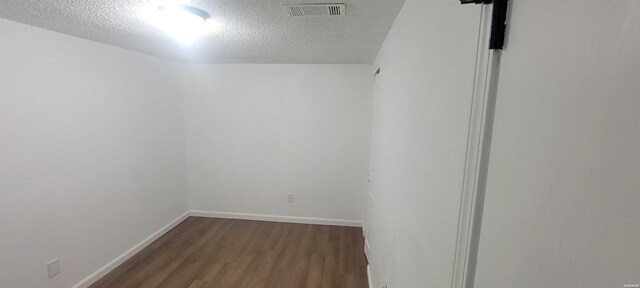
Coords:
498,21
498,24
475,1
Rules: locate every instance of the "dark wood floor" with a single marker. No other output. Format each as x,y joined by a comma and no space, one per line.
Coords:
206,252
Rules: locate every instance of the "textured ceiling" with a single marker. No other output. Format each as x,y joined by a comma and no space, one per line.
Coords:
253,31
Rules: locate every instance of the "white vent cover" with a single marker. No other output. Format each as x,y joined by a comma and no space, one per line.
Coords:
315,9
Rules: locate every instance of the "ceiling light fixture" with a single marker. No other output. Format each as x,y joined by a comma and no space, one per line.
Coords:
183,22
185,12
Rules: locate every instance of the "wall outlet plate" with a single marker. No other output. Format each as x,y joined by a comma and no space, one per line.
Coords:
291,198
53,267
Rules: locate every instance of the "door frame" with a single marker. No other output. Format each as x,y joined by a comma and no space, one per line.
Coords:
477,154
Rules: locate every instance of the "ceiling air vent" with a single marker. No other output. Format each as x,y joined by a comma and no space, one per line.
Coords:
315,10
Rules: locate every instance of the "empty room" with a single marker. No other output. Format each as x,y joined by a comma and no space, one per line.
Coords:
324,144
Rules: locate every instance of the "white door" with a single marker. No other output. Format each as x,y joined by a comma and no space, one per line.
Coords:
563,189
370,191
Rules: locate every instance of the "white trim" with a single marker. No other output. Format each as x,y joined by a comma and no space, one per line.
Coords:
367,249
477,158
104,270
369,276
273,218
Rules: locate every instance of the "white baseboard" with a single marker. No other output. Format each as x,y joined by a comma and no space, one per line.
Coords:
104,270
369,276
272,218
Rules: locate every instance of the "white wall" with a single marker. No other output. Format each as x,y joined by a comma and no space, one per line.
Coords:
256,133
422,116
563,191
91,153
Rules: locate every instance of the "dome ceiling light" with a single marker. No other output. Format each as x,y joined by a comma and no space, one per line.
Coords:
184,22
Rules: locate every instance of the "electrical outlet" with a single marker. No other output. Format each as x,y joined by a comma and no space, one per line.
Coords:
292,198
53,267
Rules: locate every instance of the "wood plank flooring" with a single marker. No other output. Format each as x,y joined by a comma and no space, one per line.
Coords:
220,253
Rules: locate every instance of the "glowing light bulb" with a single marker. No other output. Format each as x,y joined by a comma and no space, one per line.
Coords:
184,23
